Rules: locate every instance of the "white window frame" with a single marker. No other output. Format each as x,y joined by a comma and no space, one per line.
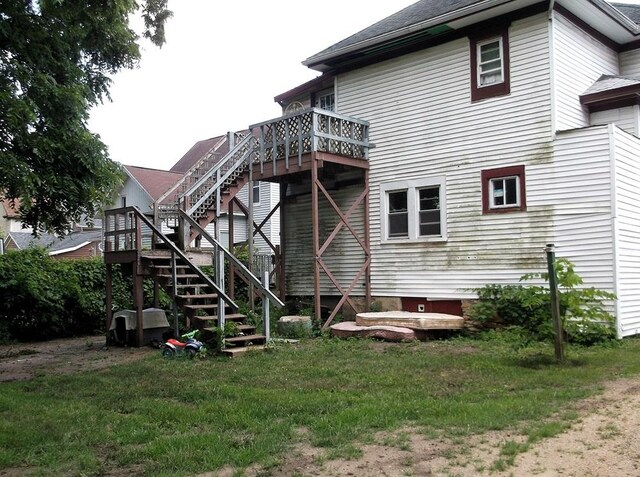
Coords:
326,94
479,72
492,196
413,205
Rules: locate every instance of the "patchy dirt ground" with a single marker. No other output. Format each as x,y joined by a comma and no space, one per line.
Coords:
28,360
604,441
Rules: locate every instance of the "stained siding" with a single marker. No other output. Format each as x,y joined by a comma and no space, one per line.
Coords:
343,257
424,125
630,63
627,224
579,61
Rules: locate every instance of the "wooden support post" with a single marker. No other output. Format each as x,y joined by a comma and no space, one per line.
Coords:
367,241
232,268
266,307
250,236
280,262
316,236
138,301
109,297
174,293
555,304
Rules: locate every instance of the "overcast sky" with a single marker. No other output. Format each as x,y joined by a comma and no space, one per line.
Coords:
221,67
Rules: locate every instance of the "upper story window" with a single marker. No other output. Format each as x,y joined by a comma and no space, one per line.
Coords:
489,66
503,190
326,101
413,210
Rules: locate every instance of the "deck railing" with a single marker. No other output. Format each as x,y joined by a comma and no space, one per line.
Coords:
310,130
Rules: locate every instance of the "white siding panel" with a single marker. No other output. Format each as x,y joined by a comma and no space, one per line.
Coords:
627,170
260,210
630,63
424,126
344,257
583,213
579,61
625,118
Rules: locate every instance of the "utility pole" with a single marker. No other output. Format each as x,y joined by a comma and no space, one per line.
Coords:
555,304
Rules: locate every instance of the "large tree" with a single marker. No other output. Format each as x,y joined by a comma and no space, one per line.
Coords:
55,60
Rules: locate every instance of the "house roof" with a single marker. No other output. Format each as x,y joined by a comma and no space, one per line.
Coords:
610,92
53,244
154,181
427,20
198,151
8,211
630,11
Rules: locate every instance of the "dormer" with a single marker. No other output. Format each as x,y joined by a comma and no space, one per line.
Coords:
614,99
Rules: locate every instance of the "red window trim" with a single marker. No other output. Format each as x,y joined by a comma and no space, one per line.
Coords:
500,89
511,171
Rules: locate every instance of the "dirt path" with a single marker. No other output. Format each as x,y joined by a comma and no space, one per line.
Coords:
603,441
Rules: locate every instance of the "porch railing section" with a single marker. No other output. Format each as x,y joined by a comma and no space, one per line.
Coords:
310,130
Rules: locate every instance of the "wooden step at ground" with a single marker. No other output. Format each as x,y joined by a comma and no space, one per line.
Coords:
246,339
235,352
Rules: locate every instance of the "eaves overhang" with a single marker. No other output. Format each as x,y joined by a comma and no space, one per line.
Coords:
612,99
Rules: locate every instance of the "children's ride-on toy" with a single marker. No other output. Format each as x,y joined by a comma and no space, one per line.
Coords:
190,348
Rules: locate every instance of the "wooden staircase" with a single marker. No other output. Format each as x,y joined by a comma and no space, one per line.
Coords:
199,303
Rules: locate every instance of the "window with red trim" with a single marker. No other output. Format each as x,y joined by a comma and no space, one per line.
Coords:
504,190
490,74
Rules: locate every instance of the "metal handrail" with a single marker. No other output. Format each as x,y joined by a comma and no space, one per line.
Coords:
245,271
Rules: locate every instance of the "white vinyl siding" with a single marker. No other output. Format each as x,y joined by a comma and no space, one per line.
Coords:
630,63
579,61
627,229
269,197
627,118
344,257
578,190
424,126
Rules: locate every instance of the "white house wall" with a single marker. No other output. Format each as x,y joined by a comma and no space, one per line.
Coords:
627,225
578,188
136,196
625,118
630,63
269,197
424,126
344,257
579,61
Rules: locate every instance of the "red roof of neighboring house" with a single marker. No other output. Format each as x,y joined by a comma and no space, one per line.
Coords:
198,151
154,181
8,211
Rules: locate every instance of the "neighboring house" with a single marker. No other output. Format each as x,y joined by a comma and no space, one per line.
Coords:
79,244
499,126
144,187
10,218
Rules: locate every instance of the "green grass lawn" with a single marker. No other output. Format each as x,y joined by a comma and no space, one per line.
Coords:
178,417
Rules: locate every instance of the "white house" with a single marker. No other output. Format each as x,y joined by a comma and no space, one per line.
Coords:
499,126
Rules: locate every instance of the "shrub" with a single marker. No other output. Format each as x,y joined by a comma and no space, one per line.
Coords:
44,298
584,317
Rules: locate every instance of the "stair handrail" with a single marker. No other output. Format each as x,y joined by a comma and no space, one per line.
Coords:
226,160
180,254
245,271
187,174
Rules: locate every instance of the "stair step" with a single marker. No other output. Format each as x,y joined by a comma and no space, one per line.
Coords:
201,306
233,352
202,296
179,275
250,329
168,267
190,285
228,317
256,339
